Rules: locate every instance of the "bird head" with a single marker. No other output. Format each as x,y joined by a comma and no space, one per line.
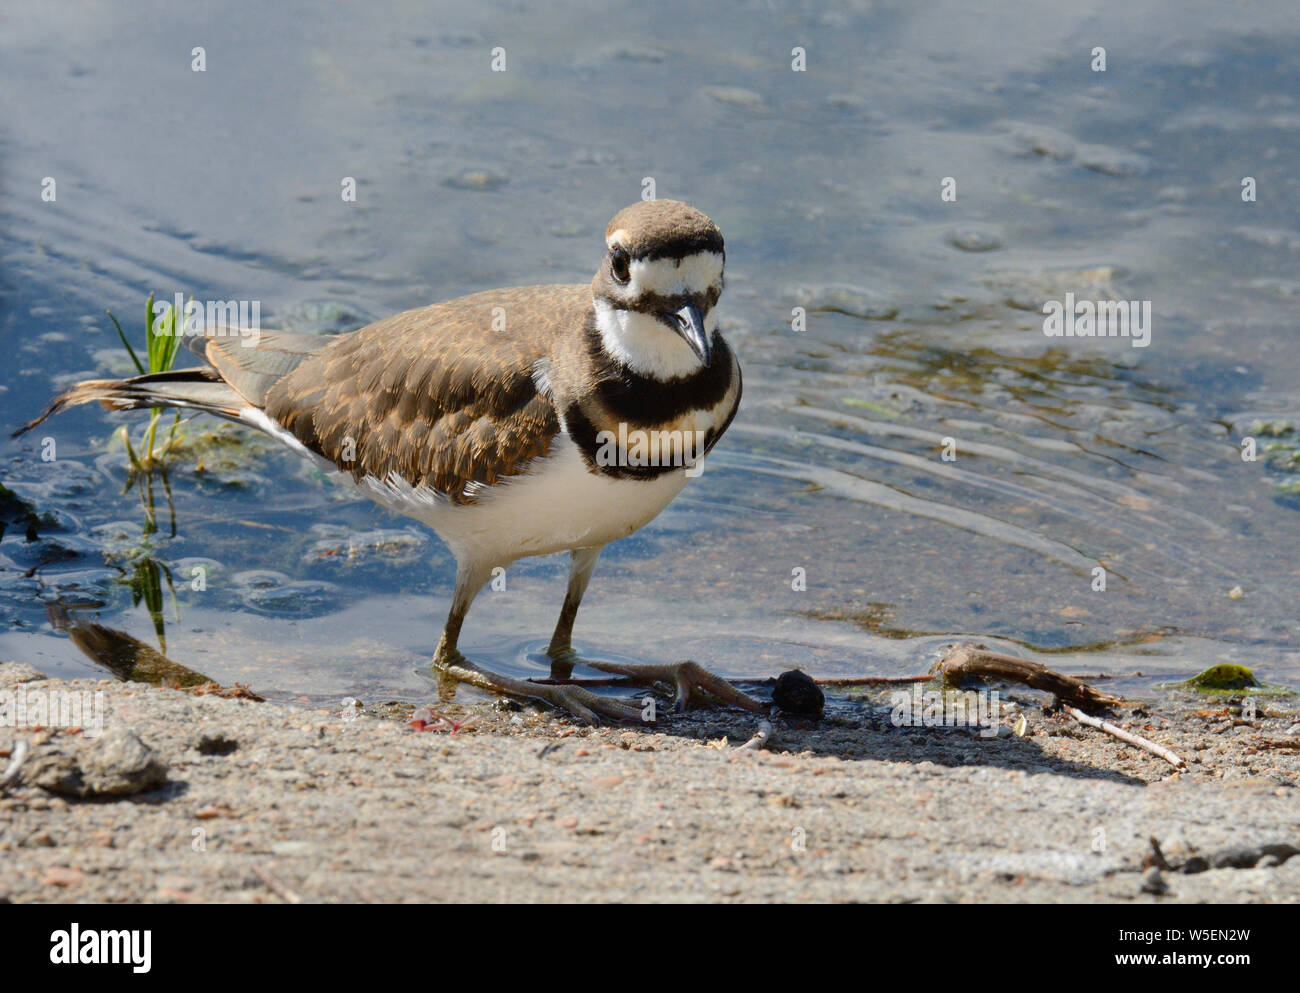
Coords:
657,287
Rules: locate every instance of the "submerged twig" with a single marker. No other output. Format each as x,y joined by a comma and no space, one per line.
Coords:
1127,736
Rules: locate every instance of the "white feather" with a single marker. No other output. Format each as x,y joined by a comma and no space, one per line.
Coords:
646,344
674,277
556,506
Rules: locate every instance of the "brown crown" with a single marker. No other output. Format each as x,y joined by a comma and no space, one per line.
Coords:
656,229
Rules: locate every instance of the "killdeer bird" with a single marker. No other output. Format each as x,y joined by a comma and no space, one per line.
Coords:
514,422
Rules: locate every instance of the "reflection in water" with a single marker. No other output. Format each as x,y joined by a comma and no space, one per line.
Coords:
143,572
127,658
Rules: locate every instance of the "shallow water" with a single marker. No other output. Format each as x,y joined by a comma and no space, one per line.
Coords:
924,322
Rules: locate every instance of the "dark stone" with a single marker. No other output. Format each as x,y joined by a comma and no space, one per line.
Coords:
216,744
1235,858
796,693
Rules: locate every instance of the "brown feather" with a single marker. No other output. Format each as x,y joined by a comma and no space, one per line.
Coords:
436,395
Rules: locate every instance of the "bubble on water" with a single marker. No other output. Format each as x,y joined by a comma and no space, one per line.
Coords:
478,180
856,301
52,548
323,316
974,238
737,96
1113,161
1034,139
354,547
259,579
299,599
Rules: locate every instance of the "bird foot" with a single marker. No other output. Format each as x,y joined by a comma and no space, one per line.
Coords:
685,678
452,668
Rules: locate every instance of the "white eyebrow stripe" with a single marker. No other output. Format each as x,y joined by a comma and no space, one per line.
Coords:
669,277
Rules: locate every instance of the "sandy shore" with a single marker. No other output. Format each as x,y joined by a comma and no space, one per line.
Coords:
235,800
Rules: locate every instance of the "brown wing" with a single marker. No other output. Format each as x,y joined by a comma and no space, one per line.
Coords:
250,364
443,396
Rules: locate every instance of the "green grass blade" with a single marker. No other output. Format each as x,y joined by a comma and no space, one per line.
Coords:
129,350
172,345
151,334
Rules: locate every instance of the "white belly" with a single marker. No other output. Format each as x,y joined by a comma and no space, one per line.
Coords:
558,506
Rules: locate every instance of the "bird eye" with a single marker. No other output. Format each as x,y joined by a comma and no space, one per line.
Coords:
620,265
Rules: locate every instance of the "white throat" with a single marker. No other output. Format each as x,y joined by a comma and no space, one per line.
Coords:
645,344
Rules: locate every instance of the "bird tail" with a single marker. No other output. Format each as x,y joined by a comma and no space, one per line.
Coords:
195,389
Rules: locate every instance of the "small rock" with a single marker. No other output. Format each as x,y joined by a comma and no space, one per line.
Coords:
1174,845
796,693
1154,882
115,764
1224,677
60,875
1195,864
13,673
289,848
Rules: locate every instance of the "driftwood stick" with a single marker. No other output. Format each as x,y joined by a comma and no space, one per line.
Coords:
964,660
968,660
16,757
1275,743
1133,739
274,884
872,680
829,681
760,737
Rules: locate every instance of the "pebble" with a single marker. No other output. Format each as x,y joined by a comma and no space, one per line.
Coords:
117,763
1154,882
796,693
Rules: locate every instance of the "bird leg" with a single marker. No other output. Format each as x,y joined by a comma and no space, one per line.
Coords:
682,676
560,651
452,667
